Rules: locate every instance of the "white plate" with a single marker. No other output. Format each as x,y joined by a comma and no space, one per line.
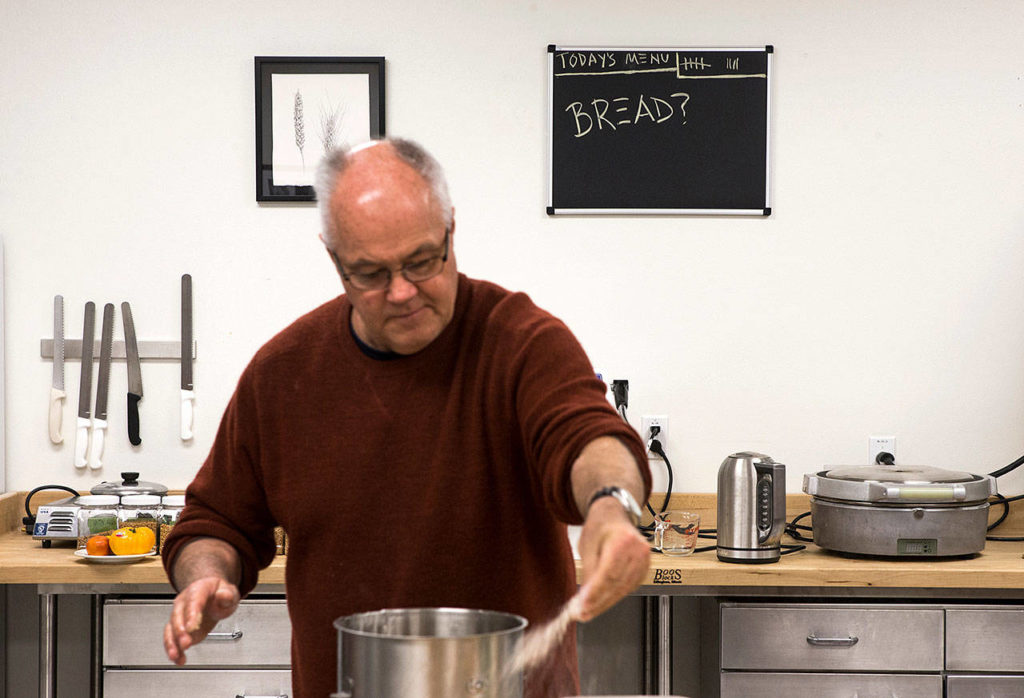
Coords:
112,559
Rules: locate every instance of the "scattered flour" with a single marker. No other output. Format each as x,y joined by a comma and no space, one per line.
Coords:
537,643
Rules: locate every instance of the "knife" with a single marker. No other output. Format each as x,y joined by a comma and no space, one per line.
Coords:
57,393
131,350
99,417
187,395
85,388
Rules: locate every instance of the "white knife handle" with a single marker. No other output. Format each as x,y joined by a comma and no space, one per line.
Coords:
99,429
56,415
187,398
82,442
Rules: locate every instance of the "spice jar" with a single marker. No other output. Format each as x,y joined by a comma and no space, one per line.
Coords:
97,516
170,510
139,510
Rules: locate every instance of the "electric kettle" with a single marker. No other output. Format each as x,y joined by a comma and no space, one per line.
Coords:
751,508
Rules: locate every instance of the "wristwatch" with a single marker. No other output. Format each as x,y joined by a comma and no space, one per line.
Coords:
624,498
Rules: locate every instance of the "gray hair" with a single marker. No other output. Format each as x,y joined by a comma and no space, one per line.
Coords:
408,151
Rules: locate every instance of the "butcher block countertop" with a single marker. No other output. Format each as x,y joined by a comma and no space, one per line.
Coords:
999,566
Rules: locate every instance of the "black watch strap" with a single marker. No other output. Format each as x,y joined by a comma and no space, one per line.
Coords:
624,498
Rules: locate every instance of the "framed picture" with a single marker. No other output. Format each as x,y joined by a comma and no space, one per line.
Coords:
304,108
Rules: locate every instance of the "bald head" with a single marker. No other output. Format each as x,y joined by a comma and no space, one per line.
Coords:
375,176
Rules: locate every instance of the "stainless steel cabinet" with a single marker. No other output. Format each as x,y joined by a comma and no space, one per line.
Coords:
831,638
818,685
821,650
981,686
985,638
251,651
196,683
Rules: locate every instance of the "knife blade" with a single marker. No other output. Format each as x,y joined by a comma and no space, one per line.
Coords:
187,394
131,350
85,388
99,417
57,393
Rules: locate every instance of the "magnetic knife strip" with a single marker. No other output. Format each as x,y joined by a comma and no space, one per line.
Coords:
169,350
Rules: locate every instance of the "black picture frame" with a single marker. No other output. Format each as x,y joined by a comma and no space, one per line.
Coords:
336,88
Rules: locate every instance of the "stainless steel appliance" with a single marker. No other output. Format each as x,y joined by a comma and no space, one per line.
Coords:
899,510
751,508
428,653
59,520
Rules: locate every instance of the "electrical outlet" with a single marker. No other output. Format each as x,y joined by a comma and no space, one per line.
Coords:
877,444
654,420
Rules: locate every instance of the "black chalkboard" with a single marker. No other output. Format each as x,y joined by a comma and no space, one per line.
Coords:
681,130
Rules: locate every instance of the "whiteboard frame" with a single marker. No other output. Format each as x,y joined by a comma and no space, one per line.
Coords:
552,210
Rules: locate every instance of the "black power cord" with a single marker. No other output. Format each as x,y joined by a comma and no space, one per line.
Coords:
29,519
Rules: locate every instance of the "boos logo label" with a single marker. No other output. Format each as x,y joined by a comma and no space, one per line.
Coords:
668,576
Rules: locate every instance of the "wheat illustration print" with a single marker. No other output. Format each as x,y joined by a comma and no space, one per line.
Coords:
300,129
330,122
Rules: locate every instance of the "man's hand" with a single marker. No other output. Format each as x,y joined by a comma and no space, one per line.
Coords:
207,571
197,608
615,557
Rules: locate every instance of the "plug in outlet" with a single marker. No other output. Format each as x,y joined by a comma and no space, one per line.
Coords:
879,444
654,420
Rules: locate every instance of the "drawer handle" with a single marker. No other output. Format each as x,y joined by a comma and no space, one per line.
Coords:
279,695
831,641
226,637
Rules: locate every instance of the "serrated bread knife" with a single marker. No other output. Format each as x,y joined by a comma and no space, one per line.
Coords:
131,350
85,389
188,396
57,393
99,416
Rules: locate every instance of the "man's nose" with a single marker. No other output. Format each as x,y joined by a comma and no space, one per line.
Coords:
401,289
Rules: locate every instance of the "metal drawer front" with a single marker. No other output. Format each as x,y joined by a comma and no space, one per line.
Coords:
766,685
831,638
985,686
984,639
258,634
196,683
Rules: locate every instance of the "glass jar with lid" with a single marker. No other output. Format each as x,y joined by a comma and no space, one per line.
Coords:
138,510
170,509
97,516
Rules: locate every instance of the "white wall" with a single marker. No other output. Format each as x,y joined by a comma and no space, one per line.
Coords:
883,295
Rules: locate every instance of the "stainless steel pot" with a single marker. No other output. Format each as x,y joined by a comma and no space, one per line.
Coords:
428,653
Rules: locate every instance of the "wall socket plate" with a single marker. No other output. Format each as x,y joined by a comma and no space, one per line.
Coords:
649,420
877,444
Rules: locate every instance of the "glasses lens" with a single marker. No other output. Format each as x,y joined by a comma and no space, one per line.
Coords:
421,271
370,282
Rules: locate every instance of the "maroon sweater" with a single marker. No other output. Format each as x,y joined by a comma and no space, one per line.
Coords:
437,479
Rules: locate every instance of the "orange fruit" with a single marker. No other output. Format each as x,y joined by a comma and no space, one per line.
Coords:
97,545
132,541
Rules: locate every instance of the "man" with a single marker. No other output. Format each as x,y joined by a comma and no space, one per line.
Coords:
423,439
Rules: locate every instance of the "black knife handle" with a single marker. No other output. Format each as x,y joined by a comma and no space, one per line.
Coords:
133,419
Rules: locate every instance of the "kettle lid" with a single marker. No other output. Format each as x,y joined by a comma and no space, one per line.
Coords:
129,484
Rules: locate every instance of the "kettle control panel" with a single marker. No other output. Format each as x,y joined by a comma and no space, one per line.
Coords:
764,504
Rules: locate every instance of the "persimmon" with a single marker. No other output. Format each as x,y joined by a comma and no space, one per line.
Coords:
97,545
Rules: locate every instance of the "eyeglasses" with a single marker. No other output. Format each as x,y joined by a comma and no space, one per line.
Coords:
413,272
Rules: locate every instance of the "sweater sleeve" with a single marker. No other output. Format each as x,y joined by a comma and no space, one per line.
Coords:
226,499
561,407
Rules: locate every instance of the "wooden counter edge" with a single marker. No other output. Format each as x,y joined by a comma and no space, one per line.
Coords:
999,566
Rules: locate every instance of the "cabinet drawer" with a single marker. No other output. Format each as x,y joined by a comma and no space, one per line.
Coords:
196,683
984,686
984,639
769,685
258,634
811,637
